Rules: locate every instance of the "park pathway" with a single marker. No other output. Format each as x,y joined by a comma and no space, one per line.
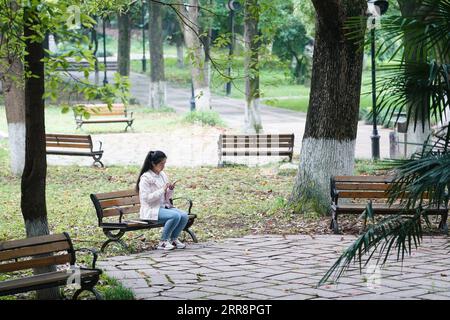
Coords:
278,267
274,120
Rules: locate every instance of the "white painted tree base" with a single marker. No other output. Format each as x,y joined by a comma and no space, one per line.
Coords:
202,99
252,121
16,133
319,160
157,94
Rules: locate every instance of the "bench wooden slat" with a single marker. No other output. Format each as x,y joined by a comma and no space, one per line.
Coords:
66,137
363,194
104,120
41,279
119,202
116,194
37,262
34,250
254,136
367,179
111,212
255,153
362,186
13,244
68,145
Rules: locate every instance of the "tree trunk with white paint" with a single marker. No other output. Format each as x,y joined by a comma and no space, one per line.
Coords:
199,73
328,145
419,127
252,122
157,77
124,43
180,50
33,202
14,94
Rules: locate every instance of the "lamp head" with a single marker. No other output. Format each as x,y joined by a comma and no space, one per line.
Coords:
234,5
377,7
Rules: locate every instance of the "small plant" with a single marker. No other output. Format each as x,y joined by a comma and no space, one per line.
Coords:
210,118
114,290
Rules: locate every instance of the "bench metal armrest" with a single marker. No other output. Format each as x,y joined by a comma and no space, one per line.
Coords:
121,213
94,254
188,200
100,146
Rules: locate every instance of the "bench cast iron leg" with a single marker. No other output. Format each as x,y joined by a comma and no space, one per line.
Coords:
192,234
443,224
97,295
129,124
97,160
113,238
334,224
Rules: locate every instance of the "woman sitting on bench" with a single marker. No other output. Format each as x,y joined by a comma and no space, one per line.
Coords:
155,193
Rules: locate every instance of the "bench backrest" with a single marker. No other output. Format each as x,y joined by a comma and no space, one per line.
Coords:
76,141
111,204
361,187
41,251
117,109
272,142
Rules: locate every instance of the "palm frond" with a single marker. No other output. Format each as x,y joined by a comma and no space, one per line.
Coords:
400,233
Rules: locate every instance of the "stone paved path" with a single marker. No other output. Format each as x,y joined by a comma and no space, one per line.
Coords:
277,267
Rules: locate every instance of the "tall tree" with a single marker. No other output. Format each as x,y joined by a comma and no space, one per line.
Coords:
33,202
157,78
328,145
252,45
124,42
189,20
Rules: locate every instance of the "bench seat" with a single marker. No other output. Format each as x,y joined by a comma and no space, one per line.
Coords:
101,113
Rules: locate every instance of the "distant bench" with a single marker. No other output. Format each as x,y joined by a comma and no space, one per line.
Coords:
367,188
45,251
79,65
256,145
67,144
101,113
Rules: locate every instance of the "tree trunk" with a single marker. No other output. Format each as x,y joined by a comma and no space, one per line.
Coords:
157,78
189,25
252,122
33,202
328,145
124,44
15,113
419,126
180,51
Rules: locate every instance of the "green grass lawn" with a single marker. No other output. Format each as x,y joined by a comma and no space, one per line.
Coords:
146,120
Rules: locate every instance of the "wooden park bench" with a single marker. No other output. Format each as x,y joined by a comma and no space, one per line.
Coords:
111,205
256,145
80,65
101,113
45,251
73,145
370,188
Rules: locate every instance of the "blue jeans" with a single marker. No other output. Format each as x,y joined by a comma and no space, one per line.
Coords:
174,221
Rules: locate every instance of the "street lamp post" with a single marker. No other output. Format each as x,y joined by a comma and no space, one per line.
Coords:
375,10
105,77
144,61
232,5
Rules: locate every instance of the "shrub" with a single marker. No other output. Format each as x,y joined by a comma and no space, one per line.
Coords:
210,118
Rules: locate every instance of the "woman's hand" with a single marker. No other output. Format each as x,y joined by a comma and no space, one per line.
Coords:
167,186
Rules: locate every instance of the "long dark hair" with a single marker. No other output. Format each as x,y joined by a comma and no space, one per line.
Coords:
152,159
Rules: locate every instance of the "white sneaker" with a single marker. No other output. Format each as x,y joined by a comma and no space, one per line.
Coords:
165,245
178,244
